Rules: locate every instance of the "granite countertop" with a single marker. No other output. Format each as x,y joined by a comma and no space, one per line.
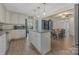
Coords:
45,31
4,31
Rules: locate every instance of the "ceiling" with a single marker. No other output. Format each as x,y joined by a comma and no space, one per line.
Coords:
28,8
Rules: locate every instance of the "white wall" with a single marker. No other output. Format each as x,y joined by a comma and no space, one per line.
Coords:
58,24
72,26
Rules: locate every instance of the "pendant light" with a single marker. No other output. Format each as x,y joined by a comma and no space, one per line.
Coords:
34,10
37,11
44,12
38,14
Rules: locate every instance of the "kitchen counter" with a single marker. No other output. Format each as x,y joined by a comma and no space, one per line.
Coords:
17,34
14,34
1,33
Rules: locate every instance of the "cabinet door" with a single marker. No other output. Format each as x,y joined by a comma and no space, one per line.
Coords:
3,44
2,13
8,15
14,18
45,42
21,19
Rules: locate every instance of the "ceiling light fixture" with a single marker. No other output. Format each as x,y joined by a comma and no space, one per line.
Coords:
38,14
44,12
37,11
34,10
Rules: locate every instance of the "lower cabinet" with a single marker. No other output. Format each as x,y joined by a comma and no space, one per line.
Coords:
3,44
17,34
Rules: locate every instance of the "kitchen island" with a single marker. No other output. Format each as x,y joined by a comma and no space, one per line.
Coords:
41,41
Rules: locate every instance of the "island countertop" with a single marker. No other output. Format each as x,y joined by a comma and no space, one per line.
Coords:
43,31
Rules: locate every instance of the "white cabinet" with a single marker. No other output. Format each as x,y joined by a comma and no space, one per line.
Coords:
16,34
45,42
8,15
3,44
41,41
35,39
21,19
14,18
11,17
2,13
17,19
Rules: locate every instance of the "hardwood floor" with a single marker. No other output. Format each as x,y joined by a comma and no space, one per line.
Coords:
23,47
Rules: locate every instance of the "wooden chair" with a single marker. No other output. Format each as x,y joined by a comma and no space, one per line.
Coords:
54,36
62,34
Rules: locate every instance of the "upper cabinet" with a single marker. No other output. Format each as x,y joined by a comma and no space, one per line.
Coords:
2,14
14,18
17,19
21,19
11,17
8,17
